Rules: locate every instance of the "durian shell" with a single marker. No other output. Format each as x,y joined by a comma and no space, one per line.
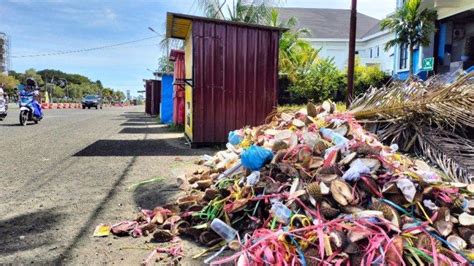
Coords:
352,248
314,190
162,236
367,149
341,192
328,212
279,145
311,109
348,158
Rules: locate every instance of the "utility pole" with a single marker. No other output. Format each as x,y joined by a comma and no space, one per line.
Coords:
350,67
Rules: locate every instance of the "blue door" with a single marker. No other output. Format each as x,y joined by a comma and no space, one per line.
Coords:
166,107
416,57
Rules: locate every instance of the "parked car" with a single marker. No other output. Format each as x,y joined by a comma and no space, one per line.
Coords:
91,101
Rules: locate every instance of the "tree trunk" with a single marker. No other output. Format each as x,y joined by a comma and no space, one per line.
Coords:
410,66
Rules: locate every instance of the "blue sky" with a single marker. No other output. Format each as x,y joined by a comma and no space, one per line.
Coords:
39,26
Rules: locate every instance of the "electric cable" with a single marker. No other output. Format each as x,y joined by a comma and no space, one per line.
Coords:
84,50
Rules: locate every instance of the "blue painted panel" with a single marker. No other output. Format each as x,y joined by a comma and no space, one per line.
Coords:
403,75
166,105
442,41
416,57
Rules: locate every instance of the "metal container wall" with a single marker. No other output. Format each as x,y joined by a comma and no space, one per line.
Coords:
148,97
166,106
155,97
178,91
235,76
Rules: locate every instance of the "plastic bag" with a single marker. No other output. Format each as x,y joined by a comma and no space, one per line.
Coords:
255,157
234,137
355,171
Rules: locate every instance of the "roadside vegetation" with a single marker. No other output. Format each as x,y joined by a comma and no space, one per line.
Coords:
75,86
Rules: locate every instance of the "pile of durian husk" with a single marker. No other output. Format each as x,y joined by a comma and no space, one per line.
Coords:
352,199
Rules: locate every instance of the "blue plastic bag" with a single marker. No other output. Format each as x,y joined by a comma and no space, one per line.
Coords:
255,157
234,138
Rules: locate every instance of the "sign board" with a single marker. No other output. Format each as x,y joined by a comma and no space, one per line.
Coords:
428,63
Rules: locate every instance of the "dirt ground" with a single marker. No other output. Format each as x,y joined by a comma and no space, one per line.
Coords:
64,176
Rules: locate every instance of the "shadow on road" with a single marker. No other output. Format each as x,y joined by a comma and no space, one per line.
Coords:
144,130
150,147
159,194
28,231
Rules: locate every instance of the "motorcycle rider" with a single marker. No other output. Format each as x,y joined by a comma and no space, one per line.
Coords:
32,87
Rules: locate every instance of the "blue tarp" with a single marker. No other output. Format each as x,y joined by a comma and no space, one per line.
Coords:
166,106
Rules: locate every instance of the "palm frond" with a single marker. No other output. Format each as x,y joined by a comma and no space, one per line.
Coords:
427,117
453,154
435,100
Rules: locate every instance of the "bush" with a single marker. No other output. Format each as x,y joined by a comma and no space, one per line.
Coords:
368,76
321,82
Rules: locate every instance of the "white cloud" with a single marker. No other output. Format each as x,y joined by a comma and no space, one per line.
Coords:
110,14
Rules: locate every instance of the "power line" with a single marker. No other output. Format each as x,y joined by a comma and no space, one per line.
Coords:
84,50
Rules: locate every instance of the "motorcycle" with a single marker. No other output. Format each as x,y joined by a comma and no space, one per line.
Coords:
3,105
30,110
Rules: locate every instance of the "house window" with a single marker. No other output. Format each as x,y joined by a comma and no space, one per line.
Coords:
403,56
377,51
370,52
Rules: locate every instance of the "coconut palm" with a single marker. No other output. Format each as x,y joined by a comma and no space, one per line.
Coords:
412,26
296,54
251,11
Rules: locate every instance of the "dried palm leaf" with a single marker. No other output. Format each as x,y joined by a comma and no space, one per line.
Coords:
451,152
426,117
435,100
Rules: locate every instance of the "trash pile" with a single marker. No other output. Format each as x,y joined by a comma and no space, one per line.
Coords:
310,187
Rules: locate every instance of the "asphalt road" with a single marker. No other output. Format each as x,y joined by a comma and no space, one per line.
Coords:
63,176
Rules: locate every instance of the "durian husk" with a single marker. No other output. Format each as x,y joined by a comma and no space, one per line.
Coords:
311,109
162,236
388,211
279,145
339,240
314,190
424,242
348,158
341,192
367,149
328,212
394,251
468,235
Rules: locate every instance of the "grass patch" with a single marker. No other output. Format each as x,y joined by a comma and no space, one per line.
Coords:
176,128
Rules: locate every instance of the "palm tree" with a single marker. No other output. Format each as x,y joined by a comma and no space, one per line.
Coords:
254,11
412,26
296,54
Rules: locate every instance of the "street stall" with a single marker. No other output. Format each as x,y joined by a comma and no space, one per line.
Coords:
231,74
147,97
166,105
153,97
156,97
177,56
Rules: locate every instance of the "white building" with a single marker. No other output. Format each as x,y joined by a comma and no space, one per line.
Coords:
330,33
4,53
449,44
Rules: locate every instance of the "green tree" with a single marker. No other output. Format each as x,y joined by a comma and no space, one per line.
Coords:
295,53
9,83
31,73
412,26
320,82
165,65
58,92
